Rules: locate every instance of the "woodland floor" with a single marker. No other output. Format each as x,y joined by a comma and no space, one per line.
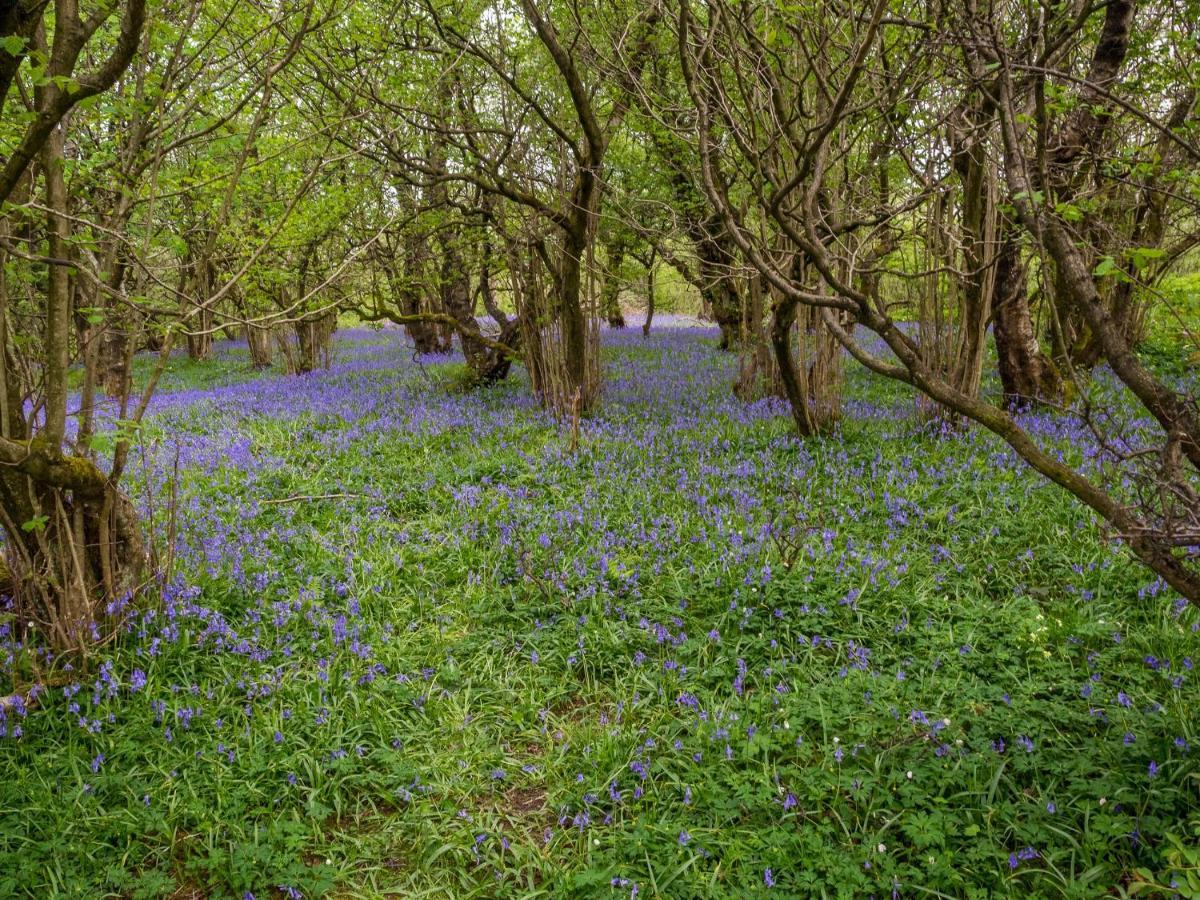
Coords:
414,646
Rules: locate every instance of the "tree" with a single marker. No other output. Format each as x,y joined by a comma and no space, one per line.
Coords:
59,84
813,174
83,223
72,544
551,178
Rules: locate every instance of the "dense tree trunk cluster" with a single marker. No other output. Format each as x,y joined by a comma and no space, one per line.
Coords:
1019,218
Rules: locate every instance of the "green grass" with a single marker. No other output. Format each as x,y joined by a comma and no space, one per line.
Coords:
481,635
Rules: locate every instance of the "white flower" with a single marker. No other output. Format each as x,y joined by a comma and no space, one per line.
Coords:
882,848
908,775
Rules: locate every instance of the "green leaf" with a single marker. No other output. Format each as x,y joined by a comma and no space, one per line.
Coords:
1140,257
12,44
37,523
93,315
1069,212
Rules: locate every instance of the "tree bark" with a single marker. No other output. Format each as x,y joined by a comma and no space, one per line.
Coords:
72,541
1081,134
314,337
406,293
258,342
649,296
783,318
58,291
610,301
978,226
716,258
1026,374
570,280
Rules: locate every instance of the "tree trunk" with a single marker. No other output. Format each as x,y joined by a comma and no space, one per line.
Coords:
114,361
573,321
1026,374
72,545
485,286
200,342
782,320
58,292
487,364
757,367
649,297
978,239
715,253
1175,411
406,291
201,277
262,351
12,412
610,301
1081,133
116,350
314,337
